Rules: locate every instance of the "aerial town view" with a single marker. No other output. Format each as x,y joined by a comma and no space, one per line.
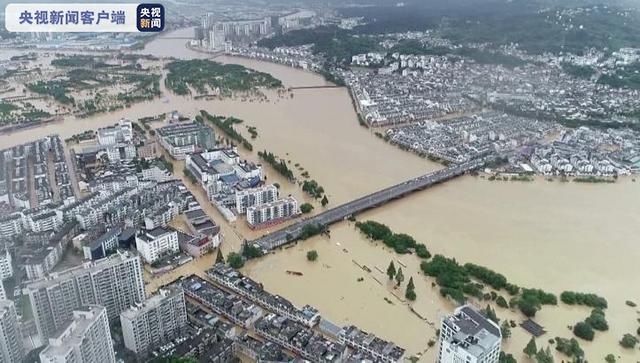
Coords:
373,181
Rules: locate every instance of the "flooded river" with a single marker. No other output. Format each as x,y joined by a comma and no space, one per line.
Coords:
549,235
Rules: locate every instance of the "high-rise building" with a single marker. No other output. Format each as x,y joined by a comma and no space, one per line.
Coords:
114,282
254,197
159,319
11,349
6,268
86,339
466,336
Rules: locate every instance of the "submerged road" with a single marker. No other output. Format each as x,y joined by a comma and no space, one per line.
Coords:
341,212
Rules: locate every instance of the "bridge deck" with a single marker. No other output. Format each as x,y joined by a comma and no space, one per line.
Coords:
292,232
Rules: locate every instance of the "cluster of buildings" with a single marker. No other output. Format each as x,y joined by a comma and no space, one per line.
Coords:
387,99
529,145
183,138
274,319
296,57
35,174
217,33
584,151
236,188
531,85
467,138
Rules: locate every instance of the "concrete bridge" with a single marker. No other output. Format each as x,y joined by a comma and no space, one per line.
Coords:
291,233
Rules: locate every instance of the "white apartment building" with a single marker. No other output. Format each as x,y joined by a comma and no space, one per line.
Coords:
161,318
11,349
42,221
157,173
272,213
11,225
86,339
114,282
6,267
255,197
466,336
156,243
122,132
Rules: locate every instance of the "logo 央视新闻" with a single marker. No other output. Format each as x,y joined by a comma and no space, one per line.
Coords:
150,17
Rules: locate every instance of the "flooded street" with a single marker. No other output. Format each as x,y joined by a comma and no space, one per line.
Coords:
549,235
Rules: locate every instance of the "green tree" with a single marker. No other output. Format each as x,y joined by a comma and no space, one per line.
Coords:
597,320
391,271
628,341
584,331
251,251
235,260
531,349
506,358
312,255
544,356
502,302
410,285
491,314
324,201
610,358
219,257
306,208
505,329
410,294
399,276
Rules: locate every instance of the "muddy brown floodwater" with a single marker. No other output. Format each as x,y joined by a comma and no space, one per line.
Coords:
549,235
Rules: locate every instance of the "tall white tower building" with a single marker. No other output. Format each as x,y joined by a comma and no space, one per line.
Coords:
86,339
158,320
114,282
466,336
11,349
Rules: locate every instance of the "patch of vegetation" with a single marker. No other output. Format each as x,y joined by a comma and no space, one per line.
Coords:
506,358
226,125
251,251
235,260
400,242
623,77
306,208
312,188
577,298
335,44
410,292
628,341
201,74
312,255
597,320
540,32
569,347
280,165
7,108
584,331
593,179
584,72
